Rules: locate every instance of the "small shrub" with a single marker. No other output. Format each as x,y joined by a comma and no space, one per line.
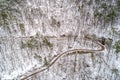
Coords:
118,5
104,6
38,57
47,43
32,43
97,1
54,22
114,70
97,14
58,24
4,17
46,61
4,14
22,28
110,16
117,46
23,45
90,2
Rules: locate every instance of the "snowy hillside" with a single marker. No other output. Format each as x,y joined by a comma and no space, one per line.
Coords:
34,32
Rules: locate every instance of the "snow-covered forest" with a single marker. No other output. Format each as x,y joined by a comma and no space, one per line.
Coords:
59,40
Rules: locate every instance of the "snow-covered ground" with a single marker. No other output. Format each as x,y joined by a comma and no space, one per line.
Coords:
23,46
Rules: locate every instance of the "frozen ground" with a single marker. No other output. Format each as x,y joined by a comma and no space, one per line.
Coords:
23,46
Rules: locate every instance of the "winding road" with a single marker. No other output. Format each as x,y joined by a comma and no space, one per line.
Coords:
66,53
